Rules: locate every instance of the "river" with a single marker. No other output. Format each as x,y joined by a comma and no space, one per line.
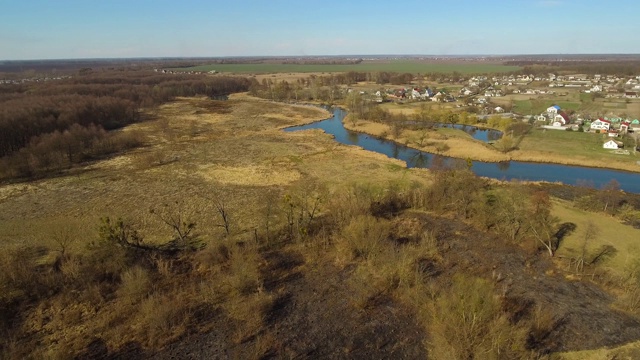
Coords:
570,175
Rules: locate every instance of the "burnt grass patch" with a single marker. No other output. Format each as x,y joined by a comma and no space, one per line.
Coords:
312,314
582,312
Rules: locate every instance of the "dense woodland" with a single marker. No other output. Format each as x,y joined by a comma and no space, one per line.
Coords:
50,125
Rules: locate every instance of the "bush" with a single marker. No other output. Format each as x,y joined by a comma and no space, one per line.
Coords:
468,323
363,238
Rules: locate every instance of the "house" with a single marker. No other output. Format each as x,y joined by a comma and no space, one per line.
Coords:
498,109
552,110
558,121
465,92
415,94
600,124
613,133
561,118
541,118
624,127
611,145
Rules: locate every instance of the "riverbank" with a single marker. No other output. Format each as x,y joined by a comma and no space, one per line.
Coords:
448,142
457,144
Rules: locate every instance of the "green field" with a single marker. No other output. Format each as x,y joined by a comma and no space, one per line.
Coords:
560,146
392,66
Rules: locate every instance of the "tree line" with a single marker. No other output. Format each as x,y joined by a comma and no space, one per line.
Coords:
543,67
39,121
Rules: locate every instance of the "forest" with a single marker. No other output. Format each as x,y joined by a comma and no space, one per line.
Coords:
48,126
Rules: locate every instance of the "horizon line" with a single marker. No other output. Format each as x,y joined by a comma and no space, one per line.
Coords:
315,56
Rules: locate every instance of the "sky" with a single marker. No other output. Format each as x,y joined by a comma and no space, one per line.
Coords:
65,29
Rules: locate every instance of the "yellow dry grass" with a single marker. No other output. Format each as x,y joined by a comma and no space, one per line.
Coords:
460,145
192,156
248,175
628,351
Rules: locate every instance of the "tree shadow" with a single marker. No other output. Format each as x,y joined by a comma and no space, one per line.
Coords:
564,230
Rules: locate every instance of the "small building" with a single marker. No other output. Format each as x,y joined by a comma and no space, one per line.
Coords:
611,145
624,127
498,109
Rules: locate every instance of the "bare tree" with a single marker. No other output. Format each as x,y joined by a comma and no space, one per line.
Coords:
591,232
541,222
64,237
223,211
182,226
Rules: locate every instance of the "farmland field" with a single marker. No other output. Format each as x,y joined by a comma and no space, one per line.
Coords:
393,66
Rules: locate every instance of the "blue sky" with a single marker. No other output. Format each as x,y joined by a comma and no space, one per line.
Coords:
54,29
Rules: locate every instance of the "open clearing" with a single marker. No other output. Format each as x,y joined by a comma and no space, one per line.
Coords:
193,156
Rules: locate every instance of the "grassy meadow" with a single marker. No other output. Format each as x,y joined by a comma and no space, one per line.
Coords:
572,147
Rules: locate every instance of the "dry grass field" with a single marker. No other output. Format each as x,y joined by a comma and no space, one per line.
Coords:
198,154
193,155
385,274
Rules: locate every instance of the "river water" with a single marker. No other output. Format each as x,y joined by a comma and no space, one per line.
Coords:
570,175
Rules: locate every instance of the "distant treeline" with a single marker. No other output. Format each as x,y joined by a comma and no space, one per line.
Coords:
324,62
49,125
627,67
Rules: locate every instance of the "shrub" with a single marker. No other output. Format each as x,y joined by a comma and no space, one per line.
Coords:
135,284
363,238
468,323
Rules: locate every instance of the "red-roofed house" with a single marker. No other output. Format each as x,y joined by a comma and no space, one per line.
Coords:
601,124
625,126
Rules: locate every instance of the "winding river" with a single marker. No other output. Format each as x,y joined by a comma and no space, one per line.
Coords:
571,175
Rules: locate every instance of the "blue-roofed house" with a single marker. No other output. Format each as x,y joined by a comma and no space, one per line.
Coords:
553,110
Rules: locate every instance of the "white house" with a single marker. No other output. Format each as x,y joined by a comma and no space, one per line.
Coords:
611,144
553,109
415,94
498,109
559,119
596,88
600,124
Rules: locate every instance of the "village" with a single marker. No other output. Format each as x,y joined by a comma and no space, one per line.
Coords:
587,99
